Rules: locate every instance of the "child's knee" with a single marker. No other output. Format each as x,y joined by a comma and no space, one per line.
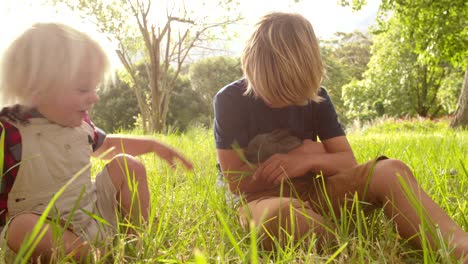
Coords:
299,218
389,175
18,228
126,164
295,220
122,167
391,169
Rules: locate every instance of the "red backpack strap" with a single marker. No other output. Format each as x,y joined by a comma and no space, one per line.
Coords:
2,155
10,158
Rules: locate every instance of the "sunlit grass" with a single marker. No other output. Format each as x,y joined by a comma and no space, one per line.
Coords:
191,223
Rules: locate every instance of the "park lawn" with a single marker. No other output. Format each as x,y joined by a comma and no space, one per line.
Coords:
191,223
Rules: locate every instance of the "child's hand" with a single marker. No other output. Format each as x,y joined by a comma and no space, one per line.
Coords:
170,155
281,166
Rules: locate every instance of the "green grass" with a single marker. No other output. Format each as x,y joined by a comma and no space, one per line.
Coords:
192,223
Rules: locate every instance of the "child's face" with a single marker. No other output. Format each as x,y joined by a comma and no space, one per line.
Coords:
71,104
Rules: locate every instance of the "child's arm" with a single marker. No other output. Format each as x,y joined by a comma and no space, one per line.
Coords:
140,145
329,157
335,154
238,173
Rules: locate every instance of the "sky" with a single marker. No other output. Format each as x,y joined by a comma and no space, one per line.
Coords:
326,17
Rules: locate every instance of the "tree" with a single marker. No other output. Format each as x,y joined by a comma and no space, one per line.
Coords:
461,113
116,109
439,31
187,107
397,83
345,57
353,51
208,75
162,41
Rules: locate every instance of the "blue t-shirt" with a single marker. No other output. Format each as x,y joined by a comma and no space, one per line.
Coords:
239,118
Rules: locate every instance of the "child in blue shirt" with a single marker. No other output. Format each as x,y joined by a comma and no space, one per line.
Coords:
281,91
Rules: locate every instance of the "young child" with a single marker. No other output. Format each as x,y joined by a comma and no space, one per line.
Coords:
52,72
281,90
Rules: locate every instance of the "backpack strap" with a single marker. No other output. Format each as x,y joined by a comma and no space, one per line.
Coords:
2,147
2,156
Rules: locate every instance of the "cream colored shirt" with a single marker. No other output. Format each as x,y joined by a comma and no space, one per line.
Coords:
51,156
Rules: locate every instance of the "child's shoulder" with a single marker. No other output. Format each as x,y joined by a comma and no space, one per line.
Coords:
236,88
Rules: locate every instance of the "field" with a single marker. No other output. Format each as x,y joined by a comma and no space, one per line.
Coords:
191,223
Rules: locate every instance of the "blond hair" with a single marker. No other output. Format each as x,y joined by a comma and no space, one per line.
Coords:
47,57
281,60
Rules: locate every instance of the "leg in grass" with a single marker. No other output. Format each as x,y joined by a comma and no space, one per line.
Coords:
285,219
129,178
387,187
22,225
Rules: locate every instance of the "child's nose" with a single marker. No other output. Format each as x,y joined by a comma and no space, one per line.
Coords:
94,97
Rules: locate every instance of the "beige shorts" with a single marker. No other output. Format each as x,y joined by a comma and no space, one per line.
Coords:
106,203
105,207
318,194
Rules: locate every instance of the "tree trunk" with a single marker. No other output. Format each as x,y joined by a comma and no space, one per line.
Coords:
156,125
460,119
144,111
144,120
165,111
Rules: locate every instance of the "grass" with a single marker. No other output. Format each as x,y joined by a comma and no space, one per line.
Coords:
191,222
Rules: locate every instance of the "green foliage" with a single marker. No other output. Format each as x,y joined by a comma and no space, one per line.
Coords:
352,50
345,57
358,96
413,125
116,109
450,89
438,29
436,33
397,83
355,4
208,75
191,100
187,108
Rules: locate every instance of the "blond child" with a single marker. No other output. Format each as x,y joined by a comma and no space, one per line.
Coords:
52,72
281,90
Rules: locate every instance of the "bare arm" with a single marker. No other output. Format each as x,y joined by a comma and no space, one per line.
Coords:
238,173
337,155
328,157
136,146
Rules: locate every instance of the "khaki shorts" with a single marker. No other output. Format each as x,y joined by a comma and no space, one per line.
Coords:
105,207
319,194
106,203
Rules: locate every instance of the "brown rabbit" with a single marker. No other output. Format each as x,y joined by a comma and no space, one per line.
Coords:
263,146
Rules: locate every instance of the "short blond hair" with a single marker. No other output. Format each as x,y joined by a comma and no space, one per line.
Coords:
281,60
47,57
